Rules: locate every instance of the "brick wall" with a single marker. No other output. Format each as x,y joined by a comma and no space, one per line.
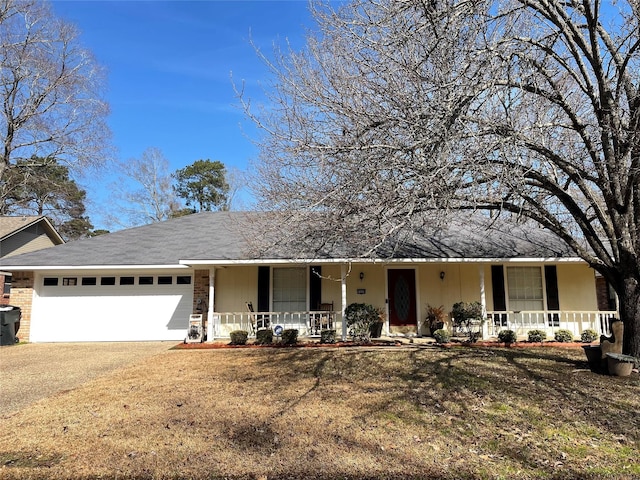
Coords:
201,291
4,299
22,296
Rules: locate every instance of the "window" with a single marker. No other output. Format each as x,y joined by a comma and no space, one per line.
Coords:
127,280
289,289
145,281
7,285
50,282
69,281
165,280
89,280
525,288
183,280
108,281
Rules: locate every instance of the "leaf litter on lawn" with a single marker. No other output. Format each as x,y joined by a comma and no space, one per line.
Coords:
335,413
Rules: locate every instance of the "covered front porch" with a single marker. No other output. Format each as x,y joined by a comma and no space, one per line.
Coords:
549,322
312,296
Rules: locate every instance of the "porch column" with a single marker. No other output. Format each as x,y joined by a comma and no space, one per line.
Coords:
343,286
212,299
483,302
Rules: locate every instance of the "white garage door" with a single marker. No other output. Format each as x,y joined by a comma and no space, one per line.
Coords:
73,308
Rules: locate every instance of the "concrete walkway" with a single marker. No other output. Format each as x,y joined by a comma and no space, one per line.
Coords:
33,371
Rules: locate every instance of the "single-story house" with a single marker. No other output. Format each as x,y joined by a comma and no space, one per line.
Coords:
22,234
144,283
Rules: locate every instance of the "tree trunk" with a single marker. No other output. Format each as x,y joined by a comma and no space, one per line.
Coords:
629,298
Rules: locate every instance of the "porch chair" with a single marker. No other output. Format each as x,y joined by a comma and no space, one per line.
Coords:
257,322
323,321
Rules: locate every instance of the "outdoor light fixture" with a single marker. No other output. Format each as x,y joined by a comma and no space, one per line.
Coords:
361,276
441,275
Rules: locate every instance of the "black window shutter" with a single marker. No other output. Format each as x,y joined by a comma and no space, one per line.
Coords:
497,282
551,278
315,292
264,274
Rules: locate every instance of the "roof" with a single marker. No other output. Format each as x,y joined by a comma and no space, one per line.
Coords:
223,238
10,226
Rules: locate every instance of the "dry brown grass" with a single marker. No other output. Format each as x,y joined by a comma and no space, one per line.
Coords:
335,413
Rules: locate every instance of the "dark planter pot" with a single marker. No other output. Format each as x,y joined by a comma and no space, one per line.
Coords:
594,357
436,326
620,365
376,330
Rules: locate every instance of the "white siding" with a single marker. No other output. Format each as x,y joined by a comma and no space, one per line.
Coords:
110,312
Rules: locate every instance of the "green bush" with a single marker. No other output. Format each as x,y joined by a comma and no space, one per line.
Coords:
328,336
441,336
360,318
239,337
536,336
290,336
589,335
563,336
264,337
507,336
467,318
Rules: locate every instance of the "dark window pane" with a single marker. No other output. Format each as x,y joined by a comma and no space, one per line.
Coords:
183,280
145,281
89,280
126,280
7,285
50,281
108,281
165,280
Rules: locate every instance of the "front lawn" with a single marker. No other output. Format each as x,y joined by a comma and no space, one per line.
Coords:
358,413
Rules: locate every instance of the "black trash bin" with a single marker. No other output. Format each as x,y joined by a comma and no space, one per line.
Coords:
9,324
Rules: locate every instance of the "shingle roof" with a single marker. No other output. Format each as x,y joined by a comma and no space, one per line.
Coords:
222,236
11,225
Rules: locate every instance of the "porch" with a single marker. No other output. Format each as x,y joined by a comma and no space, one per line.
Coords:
308,323
311,323
549,321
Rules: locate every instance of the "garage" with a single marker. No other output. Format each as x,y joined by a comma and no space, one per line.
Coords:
108,306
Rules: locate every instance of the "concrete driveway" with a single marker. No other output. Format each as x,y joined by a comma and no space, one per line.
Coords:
34,371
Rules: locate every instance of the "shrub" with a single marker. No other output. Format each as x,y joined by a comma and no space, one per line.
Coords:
290,336
360,317
441,336
467,317
264,337
327,336
589,335
536,336
239,337
507,336
563,336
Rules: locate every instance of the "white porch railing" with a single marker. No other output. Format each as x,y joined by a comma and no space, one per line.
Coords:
548,321
308,323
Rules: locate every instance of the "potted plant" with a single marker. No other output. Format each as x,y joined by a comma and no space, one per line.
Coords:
620,364
435,318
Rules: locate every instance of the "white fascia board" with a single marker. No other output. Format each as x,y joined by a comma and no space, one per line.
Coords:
223,263
20,268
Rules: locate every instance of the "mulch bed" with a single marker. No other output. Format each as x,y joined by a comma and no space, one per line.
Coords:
379,343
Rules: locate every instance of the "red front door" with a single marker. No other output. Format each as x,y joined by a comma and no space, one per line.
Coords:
402,297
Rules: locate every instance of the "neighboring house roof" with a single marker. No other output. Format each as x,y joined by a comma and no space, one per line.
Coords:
21,234
222,237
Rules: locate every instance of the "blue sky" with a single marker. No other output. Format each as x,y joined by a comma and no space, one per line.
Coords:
169,67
